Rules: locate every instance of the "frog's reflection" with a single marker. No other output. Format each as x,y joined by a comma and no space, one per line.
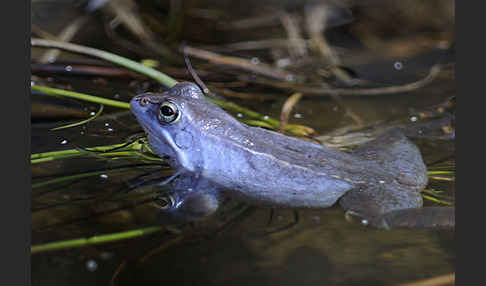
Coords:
191,199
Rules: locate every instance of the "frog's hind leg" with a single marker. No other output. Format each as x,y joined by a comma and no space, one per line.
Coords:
395,205
370,203
398,156
389,207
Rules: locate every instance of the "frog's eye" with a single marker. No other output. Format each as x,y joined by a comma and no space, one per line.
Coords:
168,112
165,202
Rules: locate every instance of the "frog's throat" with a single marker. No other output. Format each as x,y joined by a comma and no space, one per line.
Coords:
182,159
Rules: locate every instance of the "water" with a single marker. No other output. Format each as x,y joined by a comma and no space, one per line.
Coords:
240,244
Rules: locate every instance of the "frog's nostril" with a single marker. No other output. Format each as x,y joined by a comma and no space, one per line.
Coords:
143,101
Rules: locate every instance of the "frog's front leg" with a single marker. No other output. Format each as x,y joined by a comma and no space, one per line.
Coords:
191,198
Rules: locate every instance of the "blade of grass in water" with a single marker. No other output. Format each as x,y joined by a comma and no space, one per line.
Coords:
124,62
159,77
440,172
436,200
83,175
133,149
82,96
80,122
98,239
259,120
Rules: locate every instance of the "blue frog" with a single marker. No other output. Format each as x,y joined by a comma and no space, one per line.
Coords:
379,182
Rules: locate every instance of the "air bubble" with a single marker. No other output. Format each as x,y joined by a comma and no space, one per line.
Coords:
91,265
398,65
68,68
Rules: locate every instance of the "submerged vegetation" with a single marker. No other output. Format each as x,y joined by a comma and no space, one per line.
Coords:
139,149
302,70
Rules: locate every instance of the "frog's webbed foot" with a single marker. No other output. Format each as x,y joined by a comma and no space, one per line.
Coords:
427,217
390,208
192,198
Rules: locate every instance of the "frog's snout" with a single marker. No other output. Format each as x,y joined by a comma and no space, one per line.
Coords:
139,102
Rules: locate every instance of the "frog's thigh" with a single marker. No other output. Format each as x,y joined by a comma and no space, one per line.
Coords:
397,155
372,202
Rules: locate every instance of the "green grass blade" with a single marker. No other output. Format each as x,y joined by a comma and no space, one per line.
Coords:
98,239
436,200
80,96
124,62
80,122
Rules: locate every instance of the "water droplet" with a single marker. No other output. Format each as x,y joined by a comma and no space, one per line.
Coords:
239,115
32,83
266,117
381,182
116,96
290,77
104,176
92,113
68,68
91,265
335,108
398,65
64,142
107,124
255,60
364,222
110,129
298,115
413,118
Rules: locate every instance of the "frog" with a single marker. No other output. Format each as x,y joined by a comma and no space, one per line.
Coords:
215,155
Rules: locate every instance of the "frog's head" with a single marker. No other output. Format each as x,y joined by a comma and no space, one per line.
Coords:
175,121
